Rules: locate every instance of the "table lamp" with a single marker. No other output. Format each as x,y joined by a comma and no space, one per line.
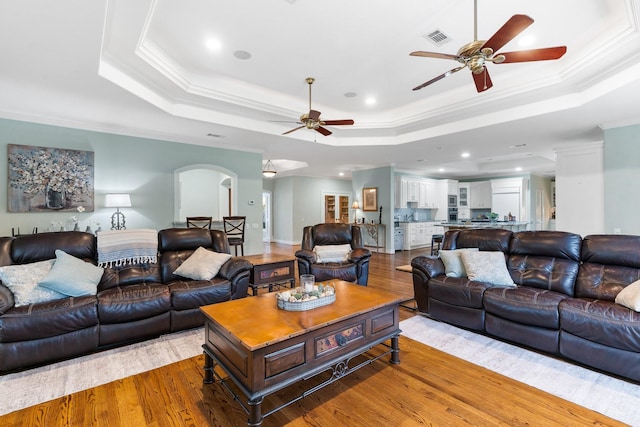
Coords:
118,201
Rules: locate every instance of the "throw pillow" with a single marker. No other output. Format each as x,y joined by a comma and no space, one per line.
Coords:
332,253
72,276
487,266
630,296
203,264
453,265
23,279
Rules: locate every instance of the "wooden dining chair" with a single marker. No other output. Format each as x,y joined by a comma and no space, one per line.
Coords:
234,229
199,222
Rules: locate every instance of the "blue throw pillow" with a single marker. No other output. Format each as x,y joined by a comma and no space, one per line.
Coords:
72,276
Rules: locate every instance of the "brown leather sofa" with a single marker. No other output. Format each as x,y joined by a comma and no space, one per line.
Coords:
564,301
355,269
133,302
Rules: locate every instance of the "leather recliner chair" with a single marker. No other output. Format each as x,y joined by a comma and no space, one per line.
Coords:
354,269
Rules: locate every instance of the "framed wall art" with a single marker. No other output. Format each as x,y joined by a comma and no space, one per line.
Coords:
370,199
43,179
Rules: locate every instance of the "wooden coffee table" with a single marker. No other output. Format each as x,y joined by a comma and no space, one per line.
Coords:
263,349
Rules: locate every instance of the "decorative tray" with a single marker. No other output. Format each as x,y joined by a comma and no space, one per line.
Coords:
299,300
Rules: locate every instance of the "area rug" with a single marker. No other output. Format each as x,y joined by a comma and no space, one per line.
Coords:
610,396
27,388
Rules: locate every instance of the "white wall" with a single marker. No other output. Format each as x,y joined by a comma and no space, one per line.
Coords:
580,189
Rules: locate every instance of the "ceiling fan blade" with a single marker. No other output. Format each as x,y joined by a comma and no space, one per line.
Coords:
325,132
482,81
434,55
337,122
514,26
293,130
543,54
314,115
440,77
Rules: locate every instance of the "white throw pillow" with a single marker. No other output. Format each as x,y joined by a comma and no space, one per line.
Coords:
630,296
23,279
487,267
72,276
453,265
203,264
332,253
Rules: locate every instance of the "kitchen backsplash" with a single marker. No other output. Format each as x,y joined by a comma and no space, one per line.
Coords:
410,214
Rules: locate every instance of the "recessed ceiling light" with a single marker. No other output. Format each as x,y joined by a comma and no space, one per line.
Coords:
370,100
518,169
213,44
242,54
441,170
341,174
350,95
465,155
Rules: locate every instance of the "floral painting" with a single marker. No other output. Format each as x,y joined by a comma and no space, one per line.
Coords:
43,179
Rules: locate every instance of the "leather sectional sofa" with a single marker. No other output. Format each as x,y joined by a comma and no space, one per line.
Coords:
563,302
133,302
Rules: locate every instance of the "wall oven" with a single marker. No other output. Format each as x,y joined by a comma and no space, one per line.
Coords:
453,201
453,215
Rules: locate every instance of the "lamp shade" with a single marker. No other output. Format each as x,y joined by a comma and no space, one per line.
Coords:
120,200
355,205
269,171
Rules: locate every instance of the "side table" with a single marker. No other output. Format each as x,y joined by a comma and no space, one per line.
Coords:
271,270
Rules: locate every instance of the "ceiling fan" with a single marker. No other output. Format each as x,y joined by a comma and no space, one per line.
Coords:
476,54
311,120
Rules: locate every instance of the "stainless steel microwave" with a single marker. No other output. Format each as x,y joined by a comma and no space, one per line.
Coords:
453,201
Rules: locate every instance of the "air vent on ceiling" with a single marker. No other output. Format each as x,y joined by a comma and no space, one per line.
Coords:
437,37
215,135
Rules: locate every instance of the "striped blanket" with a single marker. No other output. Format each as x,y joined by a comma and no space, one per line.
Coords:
122,247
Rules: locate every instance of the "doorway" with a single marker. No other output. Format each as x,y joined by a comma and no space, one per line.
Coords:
336,208
203,190
266,216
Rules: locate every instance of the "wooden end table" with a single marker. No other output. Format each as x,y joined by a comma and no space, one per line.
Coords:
271,270
263,349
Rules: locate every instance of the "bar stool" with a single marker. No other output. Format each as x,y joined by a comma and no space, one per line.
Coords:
436,239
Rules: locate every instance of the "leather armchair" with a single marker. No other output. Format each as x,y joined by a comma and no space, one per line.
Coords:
355,269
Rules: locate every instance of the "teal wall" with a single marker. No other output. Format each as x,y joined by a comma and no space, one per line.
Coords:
622,179
142,167
299,201
383,180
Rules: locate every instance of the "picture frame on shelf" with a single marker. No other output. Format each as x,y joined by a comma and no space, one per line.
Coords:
370,199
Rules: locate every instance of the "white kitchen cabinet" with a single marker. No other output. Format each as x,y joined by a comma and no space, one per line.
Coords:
400,193
428,194
413,191
419,234
464,213
480,195
441,203
463,196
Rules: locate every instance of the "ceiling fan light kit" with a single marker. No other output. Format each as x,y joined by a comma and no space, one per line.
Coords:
476,54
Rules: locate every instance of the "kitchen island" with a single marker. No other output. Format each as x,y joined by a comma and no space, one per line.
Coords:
506,225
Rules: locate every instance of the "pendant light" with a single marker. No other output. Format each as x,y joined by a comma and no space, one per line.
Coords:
269,171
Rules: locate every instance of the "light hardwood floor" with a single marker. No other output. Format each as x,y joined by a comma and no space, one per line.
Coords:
428,387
